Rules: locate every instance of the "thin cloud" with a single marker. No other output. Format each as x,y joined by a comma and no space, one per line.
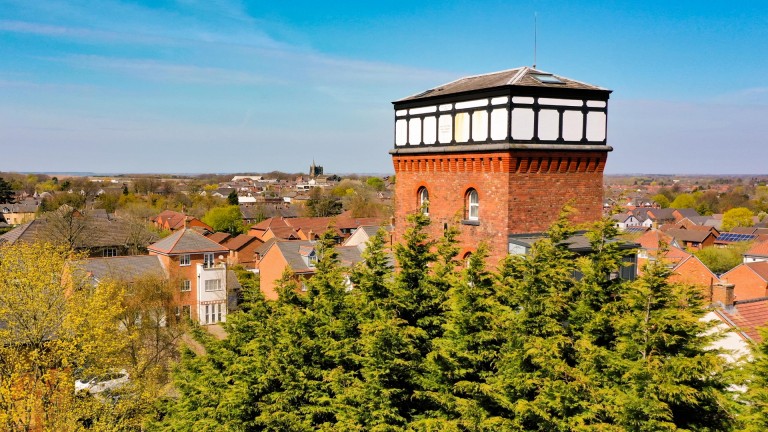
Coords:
164,71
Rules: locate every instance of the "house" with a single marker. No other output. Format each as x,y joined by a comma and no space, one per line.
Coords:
97,236
17,214
624,220
750,280
693,239
742,317
298,257
686,213
691,271
309,228
242,248
364,233
173,221
758,252
198,265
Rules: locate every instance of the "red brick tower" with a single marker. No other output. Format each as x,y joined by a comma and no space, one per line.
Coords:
500,154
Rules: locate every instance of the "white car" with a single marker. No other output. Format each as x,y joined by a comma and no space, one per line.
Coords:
103,382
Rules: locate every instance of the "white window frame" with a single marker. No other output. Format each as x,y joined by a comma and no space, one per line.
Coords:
186,285
208,260
473,205
424,200
184,260
209,282
110,252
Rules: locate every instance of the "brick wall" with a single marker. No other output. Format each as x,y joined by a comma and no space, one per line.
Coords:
519,192
748,284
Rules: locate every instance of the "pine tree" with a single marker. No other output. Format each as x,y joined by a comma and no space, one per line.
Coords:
756,395
667,377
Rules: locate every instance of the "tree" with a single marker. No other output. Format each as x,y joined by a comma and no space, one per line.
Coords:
232,198
683,201
661,200
7,195
226,219
738,217
55,325
376,183
321,204
721,259
69,227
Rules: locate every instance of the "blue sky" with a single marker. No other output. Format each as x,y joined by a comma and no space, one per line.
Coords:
231,86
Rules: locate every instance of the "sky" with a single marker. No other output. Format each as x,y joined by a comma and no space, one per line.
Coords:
201,86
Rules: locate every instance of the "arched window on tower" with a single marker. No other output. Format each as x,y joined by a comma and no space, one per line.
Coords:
424,200
472,205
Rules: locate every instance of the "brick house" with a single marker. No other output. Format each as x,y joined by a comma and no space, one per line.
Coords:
693,238
198,265
173,221
297,257
750,280
758,252
500,154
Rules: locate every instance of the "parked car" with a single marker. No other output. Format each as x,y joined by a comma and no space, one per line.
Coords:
103,382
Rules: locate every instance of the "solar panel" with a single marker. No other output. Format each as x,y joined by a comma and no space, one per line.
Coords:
735,237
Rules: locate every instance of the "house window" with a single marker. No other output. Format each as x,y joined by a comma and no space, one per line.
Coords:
208,260
213,285
110,252
183,312
208,316
186,285
473,205
218,319
424,200
184,260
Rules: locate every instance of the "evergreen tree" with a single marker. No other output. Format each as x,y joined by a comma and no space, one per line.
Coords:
7,195
464,357
232,198
756,396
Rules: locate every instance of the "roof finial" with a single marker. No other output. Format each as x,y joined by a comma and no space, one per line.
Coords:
535,16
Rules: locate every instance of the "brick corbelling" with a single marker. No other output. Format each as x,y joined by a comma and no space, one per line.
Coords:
543,162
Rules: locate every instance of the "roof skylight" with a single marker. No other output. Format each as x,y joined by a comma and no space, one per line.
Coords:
547,79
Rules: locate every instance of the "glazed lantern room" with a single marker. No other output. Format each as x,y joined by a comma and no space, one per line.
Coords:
517,106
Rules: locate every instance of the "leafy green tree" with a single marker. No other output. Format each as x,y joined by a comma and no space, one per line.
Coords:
661,200
376,183
7,195
756,396
738,217
226,219
721,259
684,200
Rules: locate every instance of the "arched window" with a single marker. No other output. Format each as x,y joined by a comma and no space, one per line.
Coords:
424,200
473,205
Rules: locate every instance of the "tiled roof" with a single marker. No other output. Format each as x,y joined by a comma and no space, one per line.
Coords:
652,239
349,255
687,212
686,235
20,233
758,249
760,268
290,251
232,282
124,268
661,214
748,316
219,237
239,242
102,232
186,241
519,77
676,256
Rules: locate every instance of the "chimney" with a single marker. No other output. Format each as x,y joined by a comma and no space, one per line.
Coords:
723,292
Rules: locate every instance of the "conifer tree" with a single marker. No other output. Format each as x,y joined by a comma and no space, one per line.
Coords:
668,378
756,395
464,357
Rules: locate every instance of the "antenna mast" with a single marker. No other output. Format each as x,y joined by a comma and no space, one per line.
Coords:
534,37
